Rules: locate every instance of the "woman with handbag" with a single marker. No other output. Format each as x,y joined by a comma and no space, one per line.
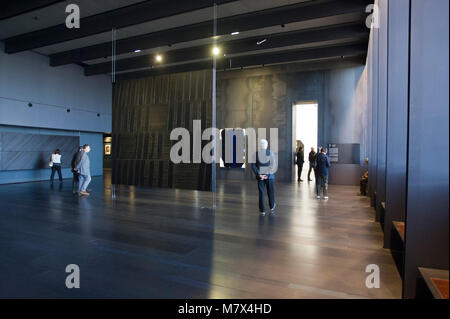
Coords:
55,164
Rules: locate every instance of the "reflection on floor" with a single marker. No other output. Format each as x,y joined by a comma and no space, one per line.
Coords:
168,243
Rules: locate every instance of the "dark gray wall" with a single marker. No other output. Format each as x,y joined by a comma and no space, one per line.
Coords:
263,98
345,121
32,151
427,219
382,107
372,65
27,78
410,131
27,175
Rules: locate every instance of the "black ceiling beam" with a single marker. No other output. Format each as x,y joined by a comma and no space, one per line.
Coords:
237,46
103,22
9,9
350,50
242,22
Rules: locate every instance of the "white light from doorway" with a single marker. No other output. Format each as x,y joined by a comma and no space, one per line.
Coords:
307,128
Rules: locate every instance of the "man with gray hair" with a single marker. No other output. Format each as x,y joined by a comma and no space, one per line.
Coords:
264,169
84,170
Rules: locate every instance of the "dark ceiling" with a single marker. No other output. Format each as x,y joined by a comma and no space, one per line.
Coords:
182,32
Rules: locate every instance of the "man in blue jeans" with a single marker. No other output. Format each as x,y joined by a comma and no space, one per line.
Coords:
84,170
264,169
322,165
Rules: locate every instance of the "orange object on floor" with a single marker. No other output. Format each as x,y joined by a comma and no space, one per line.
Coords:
442,286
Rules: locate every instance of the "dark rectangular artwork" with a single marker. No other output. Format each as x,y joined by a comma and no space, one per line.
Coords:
22,151
144,113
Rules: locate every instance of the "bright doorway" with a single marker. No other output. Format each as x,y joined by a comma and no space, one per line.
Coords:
306,131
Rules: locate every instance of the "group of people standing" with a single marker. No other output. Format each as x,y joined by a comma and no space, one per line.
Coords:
80,166
265,173
319,163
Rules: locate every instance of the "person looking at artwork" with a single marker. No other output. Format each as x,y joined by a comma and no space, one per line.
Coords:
311,159
83,168
55,164
265,175
300,160
322,165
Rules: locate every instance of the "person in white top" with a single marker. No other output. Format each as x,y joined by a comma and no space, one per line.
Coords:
56,165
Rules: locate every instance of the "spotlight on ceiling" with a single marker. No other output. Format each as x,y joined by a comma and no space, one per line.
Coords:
235,33
158,58
261,42
215,50
137,51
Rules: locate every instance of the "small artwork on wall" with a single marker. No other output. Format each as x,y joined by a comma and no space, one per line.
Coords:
107,149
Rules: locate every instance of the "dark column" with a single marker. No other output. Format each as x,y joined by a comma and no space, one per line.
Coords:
374,106
397,115
427,222
382,108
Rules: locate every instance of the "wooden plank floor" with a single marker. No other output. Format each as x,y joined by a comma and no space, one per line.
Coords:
169,243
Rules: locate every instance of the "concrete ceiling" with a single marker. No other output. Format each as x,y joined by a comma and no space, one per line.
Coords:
41,29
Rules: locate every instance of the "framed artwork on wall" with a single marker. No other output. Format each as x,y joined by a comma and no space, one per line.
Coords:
107,149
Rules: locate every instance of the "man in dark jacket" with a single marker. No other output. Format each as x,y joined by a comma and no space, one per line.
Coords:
75,160
322,165
311,159
264,169
300,155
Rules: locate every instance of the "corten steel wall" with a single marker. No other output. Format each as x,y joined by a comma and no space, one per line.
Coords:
144,113
146,110
246,99
263,98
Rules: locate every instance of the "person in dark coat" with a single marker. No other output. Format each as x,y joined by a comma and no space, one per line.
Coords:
322,165
311,159
73,164
300,160
264,169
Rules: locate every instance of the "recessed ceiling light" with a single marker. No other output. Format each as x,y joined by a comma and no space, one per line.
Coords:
158,58
137,51
215,50
235,33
